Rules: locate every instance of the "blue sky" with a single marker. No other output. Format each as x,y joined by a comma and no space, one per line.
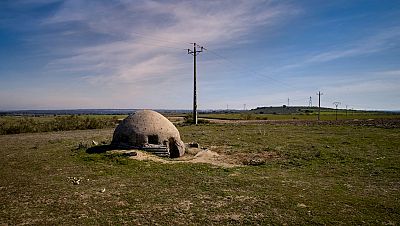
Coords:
132,54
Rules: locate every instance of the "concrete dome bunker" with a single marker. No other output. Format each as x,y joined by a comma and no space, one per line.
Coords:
150,131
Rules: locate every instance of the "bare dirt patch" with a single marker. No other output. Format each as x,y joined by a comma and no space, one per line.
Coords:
213,156
193,155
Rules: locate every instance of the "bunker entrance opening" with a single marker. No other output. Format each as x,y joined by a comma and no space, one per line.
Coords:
152,139
173,148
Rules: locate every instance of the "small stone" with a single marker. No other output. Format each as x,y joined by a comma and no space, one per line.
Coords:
254,162
75,180
103,190
301,205
194,145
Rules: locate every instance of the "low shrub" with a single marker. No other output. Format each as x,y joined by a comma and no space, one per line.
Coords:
15,125
188,119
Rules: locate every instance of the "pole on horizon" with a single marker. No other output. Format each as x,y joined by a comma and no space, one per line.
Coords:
336,104
195,53
319,104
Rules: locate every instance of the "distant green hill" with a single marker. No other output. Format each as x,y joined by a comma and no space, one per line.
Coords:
304,109
287,110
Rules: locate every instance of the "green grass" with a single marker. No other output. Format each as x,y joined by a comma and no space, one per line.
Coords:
30,124
322,174
300,116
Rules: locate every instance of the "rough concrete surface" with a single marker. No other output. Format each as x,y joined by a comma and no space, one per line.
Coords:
148,127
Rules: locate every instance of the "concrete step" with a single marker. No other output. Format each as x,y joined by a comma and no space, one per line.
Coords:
159,150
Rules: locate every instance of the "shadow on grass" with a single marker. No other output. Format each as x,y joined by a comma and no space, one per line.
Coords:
101,149
104,148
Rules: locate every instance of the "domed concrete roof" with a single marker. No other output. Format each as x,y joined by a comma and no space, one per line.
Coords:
148,128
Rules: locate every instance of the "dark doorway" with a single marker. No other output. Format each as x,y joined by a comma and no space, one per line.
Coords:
152,139
173,148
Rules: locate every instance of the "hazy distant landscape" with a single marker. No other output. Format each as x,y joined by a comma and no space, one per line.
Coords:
259,110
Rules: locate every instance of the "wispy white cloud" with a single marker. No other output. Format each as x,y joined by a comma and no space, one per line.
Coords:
389,74
136,49
378,41
124,53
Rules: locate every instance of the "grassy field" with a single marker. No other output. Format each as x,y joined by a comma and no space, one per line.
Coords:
31,124
314,174
300,116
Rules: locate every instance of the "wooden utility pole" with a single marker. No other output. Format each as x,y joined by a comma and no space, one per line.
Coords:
195,53
319,104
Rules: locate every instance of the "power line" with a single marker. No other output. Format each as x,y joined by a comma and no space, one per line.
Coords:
246,69
290,100
258,74
152,43
155,39
164,46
